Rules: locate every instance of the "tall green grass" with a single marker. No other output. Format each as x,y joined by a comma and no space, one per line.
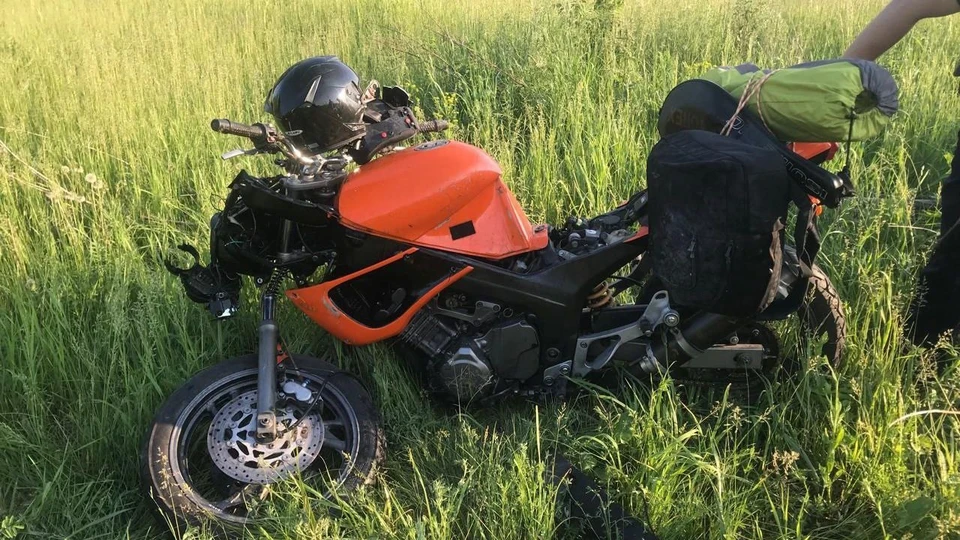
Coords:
106,161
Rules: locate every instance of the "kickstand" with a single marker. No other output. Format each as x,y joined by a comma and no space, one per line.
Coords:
590,504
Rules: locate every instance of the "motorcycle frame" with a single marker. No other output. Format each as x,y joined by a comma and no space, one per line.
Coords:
554,298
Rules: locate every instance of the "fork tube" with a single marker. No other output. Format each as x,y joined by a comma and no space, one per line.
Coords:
285,242
267,353
267,369
287,226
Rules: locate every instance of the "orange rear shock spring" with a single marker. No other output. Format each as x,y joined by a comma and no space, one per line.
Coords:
600,297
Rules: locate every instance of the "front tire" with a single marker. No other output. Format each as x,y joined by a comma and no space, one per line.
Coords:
191,487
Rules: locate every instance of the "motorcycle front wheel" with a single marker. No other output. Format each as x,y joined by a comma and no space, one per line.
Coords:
201,464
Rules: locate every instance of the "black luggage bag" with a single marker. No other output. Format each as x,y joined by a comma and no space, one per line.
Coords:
717,212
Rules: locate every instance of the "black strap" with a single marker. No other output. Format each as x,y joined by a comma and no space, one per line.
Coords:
844,173
806,239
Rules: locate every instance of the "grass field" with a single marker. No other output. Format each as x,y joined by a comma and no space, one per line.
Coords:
106,161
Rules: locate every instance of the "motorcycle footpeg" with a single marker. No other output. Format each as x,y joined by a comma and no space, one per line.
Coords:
207,284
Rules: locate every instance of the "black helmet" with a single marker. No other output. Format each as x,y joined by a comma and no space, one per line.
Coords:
320,97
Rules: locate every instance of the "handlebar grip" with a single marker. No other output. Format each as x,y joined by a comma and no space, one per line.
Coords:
222,125
433,125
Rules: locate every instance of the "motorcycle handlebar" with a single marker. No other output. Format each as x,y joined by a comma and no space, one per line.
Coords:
222,125
433,125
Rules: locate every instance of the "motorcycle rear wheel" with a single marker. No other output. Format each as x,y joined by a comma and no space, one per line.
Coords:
191,488
822,318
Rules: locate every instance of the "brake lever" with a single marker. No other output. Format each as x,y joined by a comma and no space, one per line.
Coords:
237,152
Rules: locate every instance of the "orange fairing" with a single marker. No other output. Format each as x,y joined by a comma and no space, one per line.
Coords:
444,195
813,149
642,231
315,301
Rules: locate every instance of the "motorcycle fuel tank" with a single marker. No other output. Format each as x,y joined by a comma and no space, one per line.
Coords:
444,195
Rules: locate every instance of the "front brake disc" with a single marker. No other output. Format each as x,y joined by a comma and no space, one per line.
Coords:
234,449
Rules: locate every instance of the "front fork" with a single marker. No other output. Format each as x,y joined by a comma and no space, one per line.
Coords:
267,371
267,352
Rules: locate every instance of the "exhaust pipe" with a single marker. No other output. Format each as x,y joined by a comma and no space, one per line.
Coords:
689,340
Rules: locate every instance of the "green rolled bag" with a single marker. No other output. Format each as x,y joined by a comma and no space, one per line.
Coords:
823,101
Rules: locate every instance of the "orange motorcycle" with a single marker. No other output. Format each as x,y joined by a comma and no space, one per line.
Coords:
425,247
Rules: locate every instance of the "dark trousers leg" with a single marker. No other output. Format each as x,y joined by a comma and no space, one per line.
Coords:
936,306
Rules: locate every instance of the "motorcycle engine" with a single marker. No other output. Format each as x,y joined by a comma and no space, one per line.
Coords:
465,374
471,355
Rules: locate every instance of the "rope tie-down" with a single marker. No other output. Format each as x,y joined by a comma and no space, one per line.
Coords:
751,89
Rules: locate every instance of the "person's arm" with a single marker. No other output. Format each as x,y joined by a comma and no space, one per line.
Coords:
894,22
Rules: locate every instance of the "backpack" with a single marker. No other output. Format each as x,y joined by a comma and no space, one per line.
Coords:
717,212
702,105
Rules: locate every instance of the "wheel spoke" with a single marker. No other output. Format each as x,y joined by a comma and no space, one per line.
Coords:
239,496
211,408
332,441
336,422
